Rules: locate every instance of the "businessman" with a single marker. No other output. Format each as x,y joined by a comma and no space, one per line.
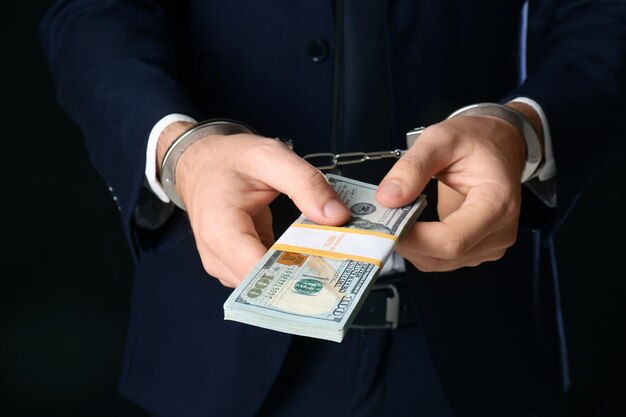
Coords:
200,90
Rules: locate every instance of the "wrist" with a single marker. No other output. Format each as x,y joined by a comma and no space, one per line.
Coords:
534,119
182,141
527,131
167,137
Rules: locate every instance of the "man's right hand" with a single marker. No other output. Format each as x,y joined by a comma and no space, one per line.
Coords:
227,184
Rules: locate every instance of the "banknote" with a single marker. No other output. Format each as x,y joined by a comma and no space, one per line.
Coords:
367,213
313,281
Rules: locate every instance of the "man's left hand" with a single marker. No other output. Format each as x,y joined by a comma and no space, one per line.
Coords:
478,161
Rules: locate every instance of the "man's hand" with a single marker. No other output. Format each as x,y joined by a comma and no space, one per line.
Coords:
478,162
227,183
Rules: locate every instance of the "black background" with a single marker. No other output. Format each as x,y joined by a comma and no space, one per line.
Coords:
66,271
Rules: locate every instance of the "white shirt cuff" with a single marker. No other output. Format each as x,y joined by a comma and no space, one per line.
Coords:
153,138
547,169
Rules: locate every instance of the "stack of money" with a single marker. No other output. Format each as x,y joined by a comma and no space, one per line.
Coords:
314,280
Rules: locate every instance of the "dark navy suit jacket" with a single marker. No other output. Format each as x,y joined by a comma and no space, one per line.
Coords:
493,331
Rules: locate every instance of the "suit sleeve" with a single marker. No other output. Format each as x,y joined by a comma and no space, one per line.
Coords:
114,65
577,73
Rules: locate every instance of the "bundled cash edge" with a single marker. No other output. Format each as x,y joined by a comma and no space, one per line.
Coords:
314,280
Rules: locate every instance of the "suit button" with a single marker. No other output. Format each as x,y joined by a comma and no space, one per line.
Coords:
317,49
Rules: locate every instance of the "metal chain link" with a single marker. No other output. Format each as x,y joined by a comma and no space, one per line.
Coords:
348,158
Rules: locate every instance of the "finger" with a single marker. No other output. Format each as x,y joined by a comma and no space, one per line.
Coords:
448,200
229,235
429,264
214,266
483,212
489,249
263,226
408,177
206,230
238,246
303,183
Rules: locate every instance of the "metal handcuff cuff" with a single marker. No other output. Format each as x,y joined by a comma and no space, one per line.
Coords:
230,127
184,141
514,117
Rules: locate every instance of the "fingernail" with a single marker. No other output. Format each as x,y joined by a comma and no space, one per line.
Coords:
391,189
334,208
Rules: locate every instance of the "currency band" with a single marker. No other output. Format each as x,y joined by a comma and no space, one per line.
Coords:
337,243
327,254
345,230
519,121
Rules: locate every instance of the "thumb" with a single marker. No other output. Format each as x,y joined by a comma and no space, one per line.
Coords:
410,175
317,199
307,187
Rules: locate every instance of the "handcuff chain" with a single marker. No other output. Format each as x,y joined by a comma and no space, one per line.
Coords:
349,158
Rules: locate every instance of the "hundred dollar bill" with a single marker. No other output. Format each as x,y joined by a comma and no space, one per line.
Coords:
313,281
